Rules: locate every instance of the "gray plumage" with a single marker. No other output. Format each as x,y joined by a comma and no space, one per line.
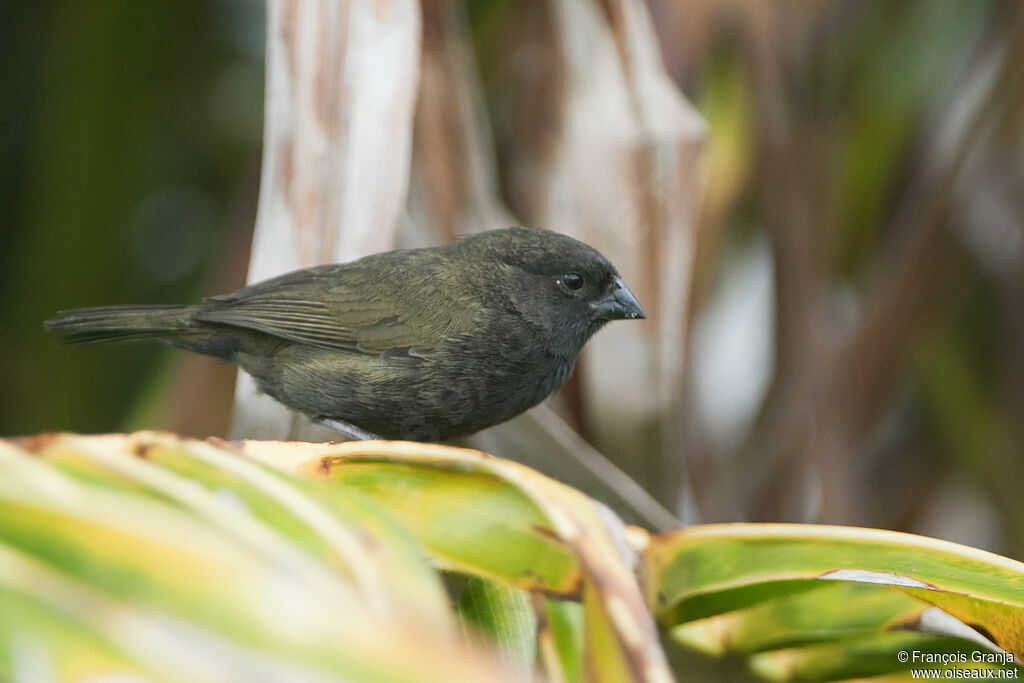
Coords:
419,344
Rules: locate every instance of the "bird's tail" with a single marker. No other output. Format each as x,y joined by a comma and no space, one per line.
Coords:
118,323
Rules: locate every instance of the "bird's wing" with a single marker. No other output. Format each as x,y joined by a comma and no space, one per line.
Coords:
313,307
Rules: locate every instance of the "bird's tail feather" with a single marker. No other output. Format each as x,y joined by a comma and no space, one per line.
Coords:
118,323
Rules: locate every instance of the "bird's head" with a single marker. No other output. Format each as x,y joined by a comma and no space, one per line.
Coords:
558,284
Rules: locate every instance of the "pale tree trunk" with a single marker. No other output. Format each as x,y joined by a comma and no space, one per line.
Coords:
603,149
341,85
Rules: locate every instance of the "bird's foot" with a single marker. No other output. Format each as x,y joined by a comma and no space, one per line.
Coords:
348,429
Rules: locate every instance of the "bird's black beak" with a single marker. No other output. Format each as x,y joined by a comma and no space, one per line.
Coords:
618,304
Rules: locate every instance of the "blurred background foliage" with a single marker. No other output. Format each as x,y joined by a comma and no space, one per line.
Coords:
130,135
857,310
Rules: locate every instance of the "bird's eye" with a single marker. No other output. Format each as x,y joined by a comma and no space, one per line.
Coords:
572,281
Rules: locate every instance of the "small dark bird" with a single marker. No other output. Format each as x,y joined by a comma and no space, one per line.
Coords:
418,344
